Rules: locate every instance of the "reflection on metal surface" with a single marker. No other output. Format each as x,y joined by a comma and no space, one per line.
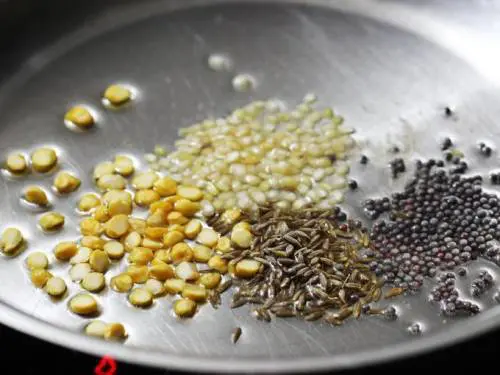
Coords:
389,67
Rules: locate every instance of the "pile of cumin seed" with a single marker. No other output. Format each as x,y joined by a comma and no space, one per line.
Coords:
315,266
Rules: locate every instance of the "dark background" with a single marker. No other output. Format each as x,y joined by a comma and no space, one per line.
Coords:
30,356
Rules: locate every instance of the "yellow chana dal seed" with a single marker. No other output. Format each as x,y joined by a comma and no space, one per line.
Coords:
138,273
181,252
16,163
115,331
151,244
163,255
156,220
65,250
164,206
119,207
196,293
172,199
36,195
155,233
43,159
92,242
223,245
140,297
208,237
186,207
93,282
165,186
66,183
99,261
79,271
91,227
241,238
116,195
247,268
175,217
132,240
243,225
51,221
172,238
174,286
201,253
88,202
187,271
161,272
117,226
124,165
192,229
140,256
83,304
177,227
217,263
96,329
231,216
82,256
111,182
114,249
190,192
101,214
146,197
122,283
37,260
145,180
103,168
157,261
11,240
184,308
117,94
39,277
155,287
210,280
80,116
55,287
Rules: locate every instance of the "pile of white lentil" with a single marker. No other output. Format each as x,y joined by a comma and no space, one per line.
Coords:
261,153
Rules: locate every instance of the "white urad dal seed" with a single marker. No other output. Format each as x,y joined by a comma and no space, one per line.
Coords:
219,62
243,82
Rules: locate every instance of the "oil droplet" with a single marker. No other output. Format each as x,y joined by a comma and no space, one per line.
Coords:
219,62
390,313
496,297
243,82
414,329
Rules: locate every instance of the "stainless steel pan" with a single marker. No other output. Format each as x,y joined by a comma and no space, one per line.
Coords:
388,66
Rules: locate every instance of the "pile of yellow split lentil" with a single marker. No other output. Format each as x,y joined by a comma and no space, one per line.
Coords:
223,168
171,251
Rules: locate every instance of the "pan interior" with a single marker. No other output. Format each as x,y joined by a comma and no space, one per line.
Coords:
388,83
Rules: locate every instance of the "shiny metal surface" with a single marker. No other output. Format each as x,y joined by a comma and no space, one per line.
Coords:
388,66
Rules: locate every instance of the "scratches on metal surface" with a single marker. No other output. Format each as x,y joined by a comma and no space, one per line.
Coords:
304,337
